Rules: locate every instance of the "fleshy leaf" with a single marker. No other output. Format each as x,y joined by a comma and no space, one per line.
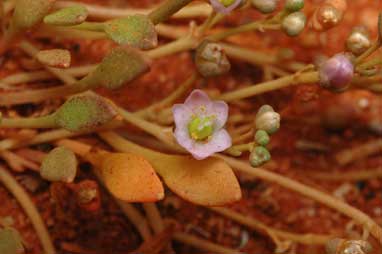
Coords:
72,15
28,13
59,58
84,112
209,182
10,241
128,177
122,65
59,165
135,30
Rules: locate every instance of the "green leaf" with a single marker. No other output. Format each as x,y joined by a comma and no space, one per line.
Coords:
10,241
69,16
59,165
136,31
84,112
28,13
122,65
59,58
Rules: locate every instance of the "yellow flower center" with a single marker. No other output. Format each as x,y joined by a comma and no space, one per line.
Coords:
200,128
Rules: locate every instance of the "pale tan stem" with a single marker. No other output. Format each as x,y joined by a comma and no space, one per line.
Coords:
319,196
359,152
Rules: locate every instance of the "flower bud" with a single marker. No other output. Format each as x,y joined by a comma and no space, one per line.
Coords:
58,58
69,16
211,60
267,119
265,6
135,30
84,112
343,246
325,17
336,73
259,156
358,41
11,241
59,165
262,137
122,65
294,5
294,23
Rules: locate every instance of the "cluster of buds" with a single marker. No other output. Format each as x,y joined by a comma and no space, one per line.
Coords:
267,123
328,14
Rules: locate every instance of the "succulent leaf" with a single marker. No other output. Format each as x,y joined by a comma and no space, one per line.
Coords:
122,65
135,30
84,112
69,16
59,165
59,58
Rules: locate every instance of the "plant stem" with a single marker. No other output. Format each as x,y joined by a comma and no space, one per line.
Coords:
166,10
359,152
90,26
348,176
30,209
368,52
237,150
256,25
257,58
326,199
185,43
301,78
48,121
254,224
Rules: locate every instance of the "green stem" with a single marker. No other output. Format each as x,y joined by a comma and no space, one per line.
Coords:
48,121
166,10
30,209
368,52
256,25
173,47
295,79
90,26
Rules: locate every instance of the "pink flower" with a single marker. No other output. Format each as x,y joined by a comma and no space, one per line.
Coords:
225,6
199,125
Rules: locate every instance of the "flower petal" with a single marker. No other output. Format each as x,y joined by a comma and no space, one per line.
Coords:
219,142
182,115
219,7
219,109
196,100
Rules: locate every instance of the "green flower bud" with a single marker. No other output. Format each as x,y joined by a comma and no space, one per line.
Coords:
294,5
262,137
135,30
10,241
69,16
267,119
211,60
358,41
59,165
201,128
84,112
265,6
58,58
122,65
259,156
29,13
294,23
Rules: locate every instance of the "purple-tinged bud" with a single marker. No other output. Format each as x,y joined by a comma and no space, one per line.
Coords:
336,73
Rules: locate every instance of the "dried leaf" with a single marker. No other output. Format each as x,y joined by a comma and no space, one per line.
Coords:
59,165
72,15
59,58
128,177
84,112
209,182
135,30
